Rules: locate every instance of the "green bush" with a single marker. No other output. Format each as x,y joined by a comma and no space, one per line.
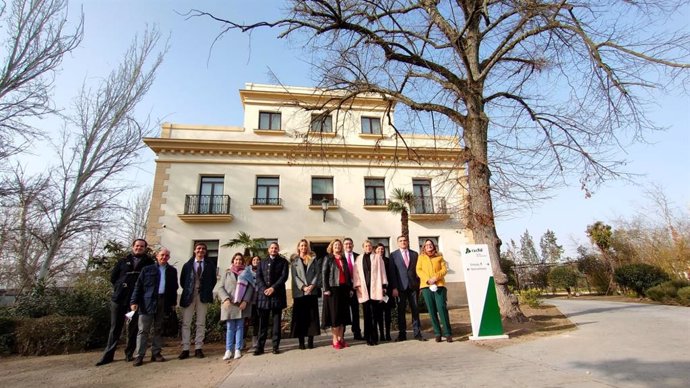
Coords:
667,292
684,296
52,334
639,277
564,277
596,272
530,297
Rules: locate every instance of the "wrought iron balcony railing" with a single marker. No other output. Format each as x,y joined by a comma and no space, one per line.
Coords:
207,204
429,205
267,201
317,202
375,202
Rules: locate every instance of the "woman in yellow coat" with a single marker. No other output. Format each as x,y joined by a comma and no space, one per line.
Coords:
431,269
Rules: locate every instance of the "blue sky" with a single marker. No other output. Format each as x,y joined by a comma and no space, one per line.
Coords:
199,85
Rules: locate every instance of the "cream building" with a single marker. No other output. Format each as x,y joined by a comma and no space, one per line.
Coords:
298,152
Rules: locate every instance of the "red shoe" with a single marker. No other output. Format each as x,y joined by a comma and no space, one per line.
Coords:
337,346
343,344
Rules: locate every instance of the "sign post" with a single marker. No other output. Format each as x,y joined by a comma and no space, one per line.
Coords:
481,293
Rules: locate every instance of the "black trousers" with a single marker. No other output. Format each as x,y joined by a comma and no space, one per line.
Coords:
410,297
354,313
372,314
117,323
264,315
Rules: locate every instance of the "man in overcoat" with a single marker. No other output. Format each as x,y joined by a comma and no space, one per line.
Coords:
272,299
403,264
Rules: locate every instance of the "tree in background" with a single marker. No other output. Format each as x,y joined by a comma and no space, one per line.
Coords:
35,38
400,203
551,252
563,276
534,90
601,235
528,253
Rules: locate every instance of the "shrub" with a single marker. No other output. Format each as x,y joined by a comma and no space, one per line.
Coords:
596,272
530,297
7,334
667,291
684,296
563,277
639,277
52,334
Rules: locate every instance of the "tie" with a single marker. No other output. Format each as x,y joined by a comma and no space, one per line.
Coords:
349,262
198,269
407,259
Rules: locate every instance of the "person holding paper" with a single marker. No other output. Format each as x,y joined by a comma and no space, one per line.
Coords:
236,293
431,269
154,296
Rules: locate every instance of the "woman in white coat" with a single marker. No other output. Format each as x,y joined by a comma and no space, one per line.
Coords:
370,282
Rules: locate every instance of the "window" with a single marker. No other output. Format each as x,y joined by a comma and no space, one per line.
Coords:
371,125
423,201
424,238
211,198
321,187
381,240
321,123
267,190
269,120
374,191
211,250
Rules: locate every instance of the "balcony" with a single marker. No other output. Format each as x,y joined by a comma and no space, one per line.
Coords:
375,204
206,208
429,209
267,203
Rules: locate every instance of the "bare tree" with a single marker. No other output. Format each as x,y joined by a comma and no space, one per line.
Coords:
535,89
36,38
134,218
105,142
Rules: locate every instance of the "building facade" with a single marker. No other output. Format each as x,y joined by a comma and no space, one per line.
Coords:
305,164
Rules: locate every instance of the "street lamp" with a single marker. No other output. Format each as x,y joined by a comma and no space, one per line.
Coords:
324,207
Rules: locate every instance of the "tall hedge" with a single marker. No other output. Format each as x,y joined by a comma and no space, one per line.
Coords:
639,277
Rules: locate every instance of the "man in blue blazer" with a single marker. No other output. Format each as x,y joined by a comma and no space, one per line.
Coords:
404,264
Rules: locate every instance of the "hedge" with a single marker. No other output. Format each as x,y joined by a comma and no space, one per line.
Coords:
52,334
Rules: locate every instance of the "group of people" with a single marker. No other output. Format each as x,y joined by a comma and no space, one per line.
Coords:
255,292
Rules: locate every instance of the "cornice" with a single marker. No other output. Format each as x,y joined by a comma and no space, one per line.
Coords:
291,150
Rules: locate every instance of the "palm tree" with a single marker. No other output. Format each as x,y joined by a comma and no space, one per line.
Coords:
401,203
252,246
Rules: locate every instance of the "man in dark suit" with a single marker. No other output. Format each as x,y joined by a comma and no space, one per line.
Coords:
123,276
198,278
154,296
404,263
348,247
272,298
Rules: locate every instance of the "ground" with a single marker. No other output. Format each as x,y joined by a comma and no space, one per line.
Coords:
78,370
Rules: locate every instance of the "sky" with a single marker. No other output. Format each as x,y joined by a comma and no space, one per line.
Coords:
198,84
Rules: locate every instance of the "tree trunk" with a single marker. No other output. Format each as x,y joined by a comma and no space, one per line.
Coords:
480,206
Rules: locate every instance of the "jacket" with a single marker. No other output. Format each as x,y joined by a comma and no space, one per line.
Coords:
226,290
206,284
124,275
330,273
369,278
405,278
272,273
145,293
428,267
301,278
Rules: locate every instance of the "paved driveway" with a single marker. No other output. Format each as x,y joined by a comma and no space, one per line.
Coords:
615,345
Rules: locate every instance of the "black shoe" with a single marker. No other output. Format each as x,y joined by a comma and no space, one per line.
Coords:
400,339
258,352
129,357
310,343
183,355
358,337
276,351
438,338
199,353
139,361
302,346
388,338
449,339
157,358
420,338
103,362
